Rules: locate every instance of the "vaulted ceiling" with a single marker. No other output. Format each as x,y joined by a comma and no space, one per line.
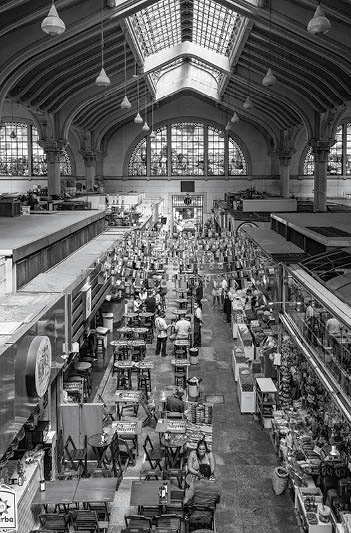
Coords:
218,49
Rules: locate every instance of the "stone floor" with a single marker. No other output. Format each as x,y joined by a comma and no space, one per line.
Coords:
243,451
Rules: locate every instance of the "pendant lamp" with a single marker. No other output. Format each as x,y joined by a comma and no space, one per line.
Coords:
228,126
13,133
125,104
145,126
248,103
52,24
152,134
102,80
235,118
269,78
319,24
138,119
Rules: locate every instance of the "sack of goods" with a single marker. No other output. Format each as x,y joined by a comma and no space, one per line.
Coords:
279,480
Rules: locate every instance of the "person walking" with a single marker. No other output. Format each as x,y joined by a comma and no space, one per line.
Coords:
161,334
198,321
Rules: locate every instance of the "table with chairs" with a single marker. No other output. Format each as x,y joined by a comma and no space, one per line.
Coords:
127,400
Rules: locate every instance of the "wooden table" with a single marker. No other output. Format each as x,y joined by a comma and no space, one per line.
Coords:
145,493
126,396
56,492
170,426
100,443
179,312
128,428
95,490
182,303
174,446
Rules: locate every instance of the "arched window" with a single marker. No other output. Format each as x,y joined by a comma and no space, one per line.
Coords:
308,166
138,161
187,149
21,155
237,162
339,160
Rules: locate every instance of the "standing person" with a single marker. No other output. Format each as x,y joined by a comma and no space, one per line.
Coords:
224,287
161,333
150,303
216,293
199,292
197,324
182,328
309,319
227,307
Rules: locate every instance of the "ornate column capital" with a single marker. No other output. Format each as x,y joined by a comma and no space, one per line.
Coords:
52,149
89,157
285,155
321,148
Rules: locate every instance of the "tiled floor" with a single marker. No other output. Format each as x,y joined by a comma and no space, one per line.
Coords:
244,454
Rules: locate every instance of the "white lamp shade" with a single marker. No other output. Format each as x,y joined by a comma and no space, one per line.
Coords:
269,78
125,104
52,24
138,119
102,80
235,118
248,104
318,23
145,127
152,135
228,126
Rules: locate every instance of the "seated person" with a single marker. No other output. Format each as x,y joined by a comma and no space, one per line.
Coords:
183,328
202,492
174,403
201,455
150,303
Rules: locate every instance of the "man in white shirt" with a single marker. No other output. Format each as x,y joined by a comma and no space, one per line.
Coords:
197,324
182,328
333,328
224,285
161,333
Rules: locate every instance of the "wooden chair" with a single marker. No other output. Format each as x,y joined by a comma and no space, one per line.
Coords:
154,456
176,474
196,521
88,521
76,456
109,411
101,509
126,454
57,522
143,523
170,521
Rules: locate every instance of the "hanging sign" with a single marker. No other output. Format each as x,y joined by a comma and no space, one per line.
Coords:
8,509
38,367
86,297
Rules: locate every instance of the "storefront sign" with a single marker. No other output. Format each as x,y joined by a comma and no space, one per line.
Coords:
38,368
86,297
8,509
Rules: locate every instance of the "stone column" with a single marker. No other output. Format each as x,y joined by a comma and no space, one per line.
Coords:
53,150
89,157
321,153
284,171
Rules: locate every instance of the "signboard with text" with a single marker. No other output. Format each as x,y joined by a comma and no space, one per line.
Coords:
8,509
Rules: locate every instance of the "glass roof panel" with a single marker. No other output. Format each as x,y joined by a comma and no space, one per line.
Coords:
158,27
214,26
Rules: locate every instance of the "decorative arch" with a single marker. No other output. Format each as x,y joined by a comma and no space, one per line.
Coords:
187,147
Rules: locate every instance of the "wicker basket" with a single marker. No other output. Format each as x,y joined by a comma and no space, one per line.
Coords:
280,480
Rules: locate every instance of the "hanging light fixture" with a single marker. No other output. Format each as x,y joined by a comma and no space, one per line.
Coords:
125,104
319,23
102,80
248,103
138,119
235,118
13,133
269,78
135,74
145,126
52,24
152,134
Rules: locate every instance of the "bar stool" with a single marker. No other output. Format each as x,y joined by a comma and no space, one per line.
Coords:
120,353
137,353
84,369
100,348
180,376
124,377
144,380
149,335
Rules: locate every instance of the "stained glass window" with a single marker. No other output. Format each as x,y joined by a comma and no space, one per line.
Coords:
339,160
308,166
14,149
21,155
335,154
215,155
187,149
236,160
195,149
159,153
138,161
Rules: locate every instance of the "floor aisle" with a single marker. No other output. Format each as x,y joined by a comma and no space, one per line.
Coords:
244,454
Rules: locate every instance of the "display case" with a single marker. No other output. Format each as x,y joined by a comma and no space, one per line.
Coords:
311,510
238,361
245,340
245,391
266,400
